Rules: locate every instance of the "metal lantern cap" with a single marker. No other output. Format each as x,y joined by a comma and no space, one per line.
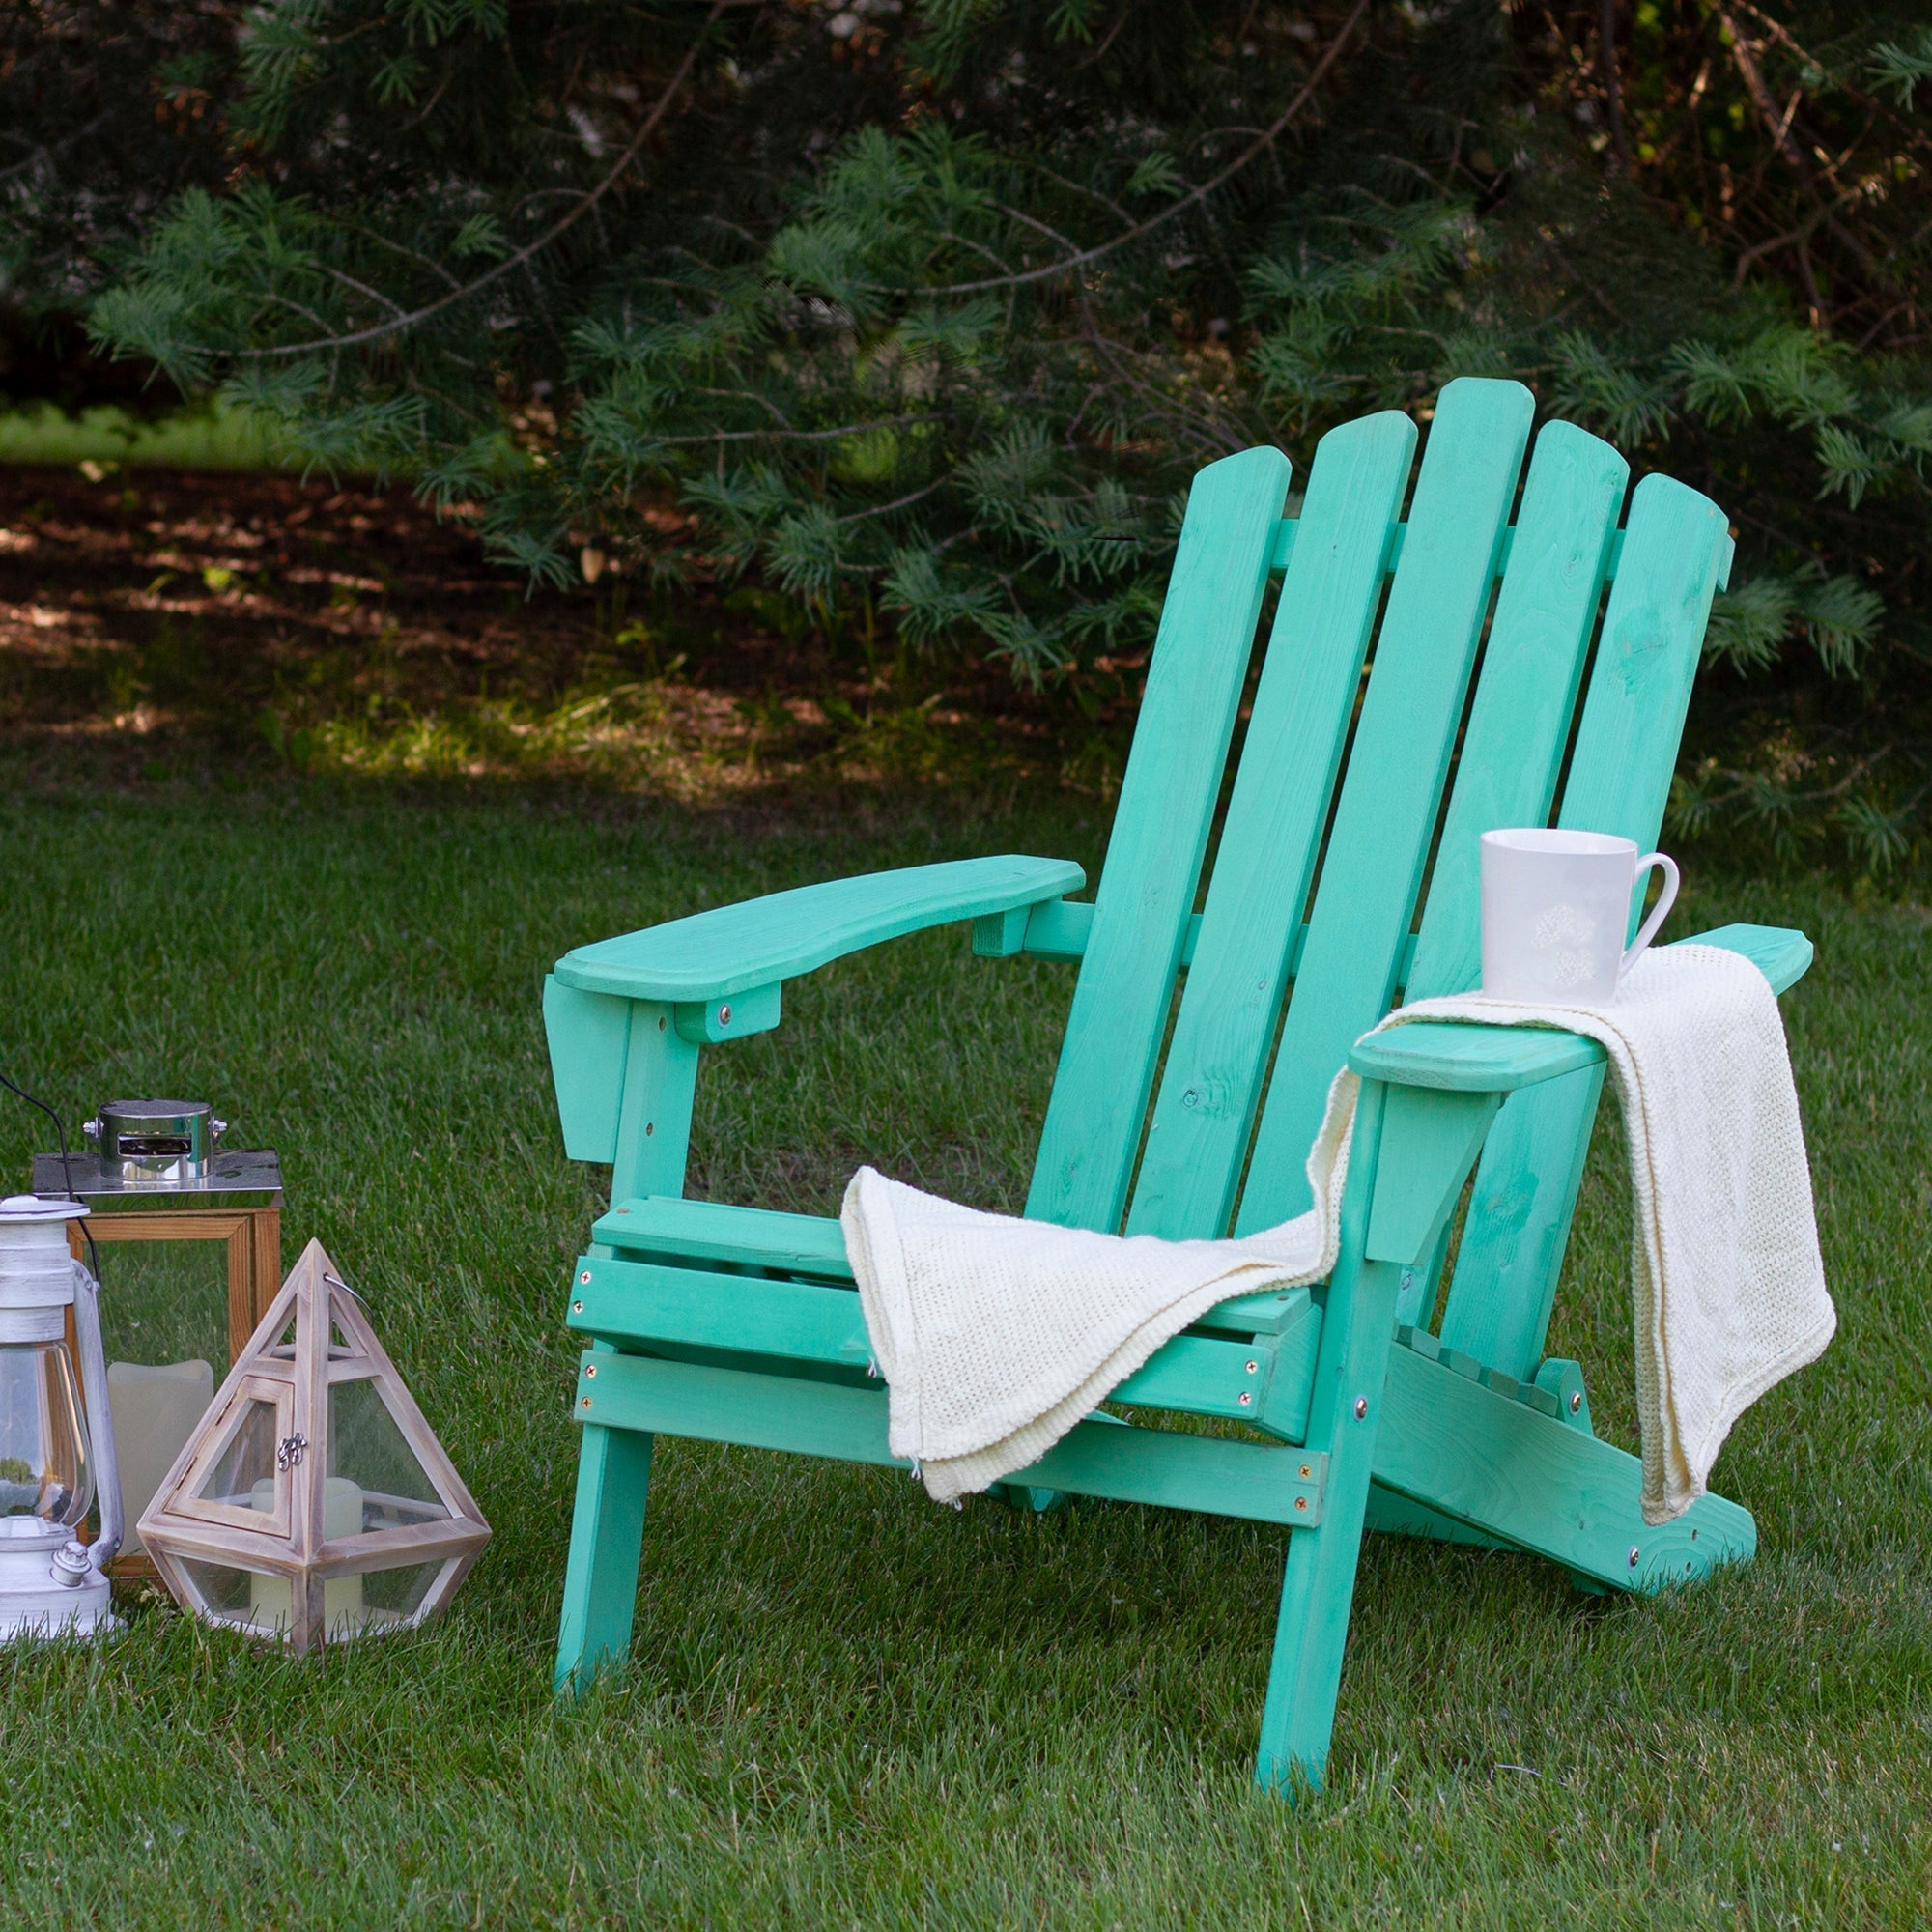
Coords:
155,1140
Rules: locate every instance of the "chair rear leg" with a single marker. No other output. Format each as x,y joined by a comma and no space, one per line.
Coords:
600,1588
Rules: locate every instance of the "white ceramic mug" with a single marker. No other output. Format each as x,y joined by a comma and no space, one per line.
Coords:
1555,908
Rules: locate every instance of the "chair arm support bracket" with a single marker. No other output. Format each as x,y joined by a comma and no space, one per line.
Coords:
712,1022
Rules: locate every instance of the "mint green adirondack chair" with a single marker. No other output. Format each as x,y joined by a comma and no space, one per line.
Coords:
737,1325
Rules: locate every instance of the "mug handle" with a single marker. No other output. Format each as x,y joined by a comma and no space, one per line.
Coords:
1665,899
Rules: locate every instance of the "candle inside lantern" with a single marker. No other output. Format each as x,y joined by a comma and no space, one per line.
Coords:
271,1599
155,1409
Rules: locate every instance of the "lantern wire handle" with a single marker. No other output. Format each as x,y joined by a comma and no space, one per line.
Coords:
336,1281
67,1168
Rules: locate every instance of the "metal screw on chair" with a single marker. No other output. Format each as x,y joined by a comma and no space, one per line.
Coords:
651,1127
585,1404
576,1308
1632,1556
584,1277
1246,1396
589,1370
1361,1407
1576,1401
1301,1502
661,1023
724,1015
1306,1472
1254,1368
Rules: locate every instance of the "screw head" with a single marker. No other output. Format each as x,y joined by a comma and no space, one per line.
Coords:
651,1127
584,1277
1306,1471
576,1308
1576,1401
1632,1556
1301,1502
1361,1407
1254,1368
724,1015
1245,1397
589,1370
586,1402
661,1023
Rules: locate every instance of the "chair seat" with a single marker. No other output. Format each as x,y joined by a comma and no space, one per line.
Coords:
724,1285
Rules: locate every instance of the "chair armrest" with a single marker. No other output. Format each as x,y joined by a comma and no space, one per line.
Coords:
1778,952
1469,1057
760,942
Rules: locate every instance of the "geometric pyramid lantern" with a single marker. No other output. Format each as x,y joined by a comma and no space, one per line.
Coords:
313,1505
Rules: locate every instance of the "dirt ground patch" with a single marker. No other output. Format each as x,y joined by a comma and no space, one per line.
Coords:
156,619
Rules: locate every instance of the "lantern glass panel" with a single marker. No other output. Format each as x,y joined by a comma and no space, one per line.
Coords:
246,1462
221,1591
367,1451
45,1481
262,1603
165,1301
392,1598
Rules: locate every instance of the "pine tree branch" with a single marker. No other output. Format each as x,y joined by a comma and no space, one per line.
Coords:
792,434
1200,194
1779,127
511,263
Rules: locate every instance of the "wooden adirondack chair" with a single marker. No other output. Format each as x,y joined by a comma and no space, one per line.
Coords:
742,1327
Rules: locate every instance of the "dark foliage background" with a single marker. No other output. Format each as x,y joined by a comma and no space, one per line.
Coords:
923,314
108,112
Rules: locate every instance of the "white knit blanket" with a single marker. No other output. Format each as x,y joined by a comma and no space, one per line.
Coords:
996,1335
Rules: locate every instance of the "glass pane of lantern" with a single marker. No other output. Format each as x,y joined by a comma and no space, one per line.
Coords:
256,1600
220,1591
359,1606
156,1411
164,1301
367,1453
390,1597
244,1475
44,1478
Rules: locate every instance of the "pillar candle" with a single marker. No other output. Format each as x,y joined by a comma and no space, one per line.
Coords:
155,1409
272,1599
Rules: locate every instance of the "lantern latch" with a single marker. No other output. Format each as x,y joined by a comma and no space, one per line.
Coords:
290,1450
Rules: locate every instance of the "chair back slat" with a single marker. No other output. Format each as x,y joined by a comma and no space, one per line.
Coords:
1526,691
1392,792
1292,750
1676,546
1168,795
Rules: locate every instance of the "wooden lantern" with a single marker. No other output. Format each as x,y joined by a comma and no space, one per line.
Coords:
198,1294
313,1504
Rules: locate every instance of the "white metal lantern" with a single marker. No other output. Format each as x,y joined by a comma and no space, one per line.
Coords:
313,1504
51,1465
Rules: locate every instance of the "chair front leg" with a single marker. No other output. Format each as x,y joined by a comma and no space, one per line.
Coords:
1414,1148
606,1532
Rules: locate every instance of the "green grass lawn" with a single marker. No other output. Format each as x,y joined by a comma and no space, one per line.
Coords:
848,1706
